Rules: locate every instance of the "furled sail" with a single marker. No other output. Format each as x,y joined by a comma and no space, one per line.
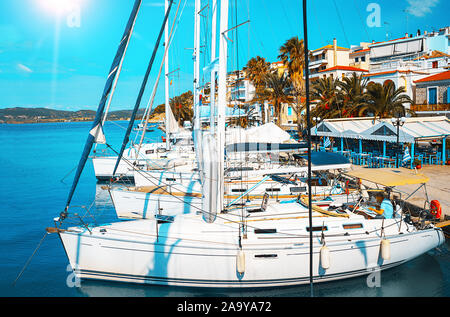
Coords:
171,124
96,133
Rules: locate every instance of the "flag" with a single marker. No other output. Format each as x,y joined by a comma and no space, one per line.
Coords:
326,142
406,156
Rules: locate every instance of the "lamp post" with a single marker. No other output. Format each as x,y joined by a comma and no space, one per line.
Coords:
398,122
316,120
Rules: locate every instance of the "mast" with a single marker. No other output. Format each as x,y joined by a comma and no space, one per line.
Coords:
96,134
196,104
222,99
308,125
166,39
141,92
212,98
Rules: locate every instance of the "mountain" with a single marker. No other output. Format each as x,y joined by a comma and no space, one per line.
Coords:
33,115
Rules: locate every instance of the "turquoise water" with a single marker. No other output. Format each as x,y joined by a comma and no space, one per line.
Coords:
36,160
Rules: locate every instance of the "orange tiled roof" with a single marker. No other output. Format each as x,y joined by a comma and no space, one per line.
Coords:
401,38
329,46
393,72
433,54
437,77
350,68
360,51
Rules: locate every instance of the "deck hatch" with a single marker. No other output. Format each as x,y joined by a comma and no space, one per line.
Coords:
263,231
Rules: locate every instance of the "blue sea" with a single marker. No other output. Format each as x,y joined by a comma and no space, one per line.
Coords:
37,163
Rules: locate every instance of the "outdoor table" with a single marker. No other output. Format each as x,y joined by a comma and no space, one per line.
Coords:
385,161
361,157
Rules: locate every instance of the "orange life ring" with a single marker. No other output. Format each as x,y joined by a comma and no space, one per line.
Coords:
435,209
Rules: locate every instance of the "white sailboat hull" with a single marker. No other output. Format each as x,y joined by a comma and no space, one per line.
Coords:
204,255
132,204
104,167
178,195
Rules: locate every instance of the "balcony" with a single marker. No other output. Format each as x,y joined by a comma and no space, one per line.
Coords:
438,107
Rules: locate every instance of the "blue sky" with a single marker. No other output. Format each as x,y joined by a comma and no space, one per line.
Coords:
65,68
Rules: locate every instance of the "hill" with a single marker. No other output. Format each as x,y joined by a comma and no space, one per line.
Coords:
35,115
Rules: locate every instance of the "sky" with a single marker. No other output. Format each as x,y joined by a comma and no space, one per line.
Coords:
58,57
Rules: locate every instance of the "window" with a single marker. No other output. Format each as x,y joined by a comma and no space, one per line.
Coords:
314,229
432,96
289,111
356,59
363,58
352,226
434,64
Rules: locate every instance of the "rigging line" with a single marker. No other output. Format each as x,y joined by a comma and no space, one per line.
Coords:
287,19
119,70
29,259
96,131
269,19
152,99
149,111
142,89
249,226
234,221
67,175
362,21
342,24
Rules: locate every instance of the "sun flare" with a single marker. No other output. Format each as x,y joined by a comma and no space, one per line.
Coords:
58,6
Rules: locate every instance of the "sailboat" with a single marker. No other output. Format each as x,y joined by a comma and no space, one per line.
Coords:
268,246
151,156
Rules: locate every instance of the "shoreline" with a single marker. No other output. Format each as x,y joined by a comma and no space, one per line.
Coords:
69,121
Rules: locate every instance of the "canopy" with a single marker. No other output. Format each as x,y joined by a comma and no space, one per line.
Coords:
417,128
389,177
267,133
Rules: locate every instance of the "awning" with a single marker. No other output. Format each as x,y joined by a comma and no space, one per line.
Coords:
389,177
417,128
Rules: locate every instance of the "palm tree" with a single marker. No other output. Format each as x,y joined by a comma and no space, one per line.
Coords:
327,97
353,93
292,54
256,70
385,101
277,92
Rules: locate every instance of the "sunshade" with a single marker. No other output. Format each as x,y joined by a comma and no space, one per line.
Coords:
389,177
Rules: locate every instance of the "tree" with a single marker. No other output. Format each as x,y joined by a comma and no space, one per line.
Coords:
292,54
277,92
385,101
327,97
256,70
353,94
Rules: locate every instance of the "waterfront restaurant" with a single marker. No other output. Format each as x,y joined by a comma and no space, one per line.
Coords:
375,142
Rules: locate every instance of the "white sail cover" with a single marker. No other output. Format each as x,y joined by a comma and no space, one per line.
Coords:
171,124
98,134
210,176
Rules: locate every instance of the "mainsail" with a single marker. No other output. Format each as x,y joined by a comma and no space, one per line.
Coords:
96,133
